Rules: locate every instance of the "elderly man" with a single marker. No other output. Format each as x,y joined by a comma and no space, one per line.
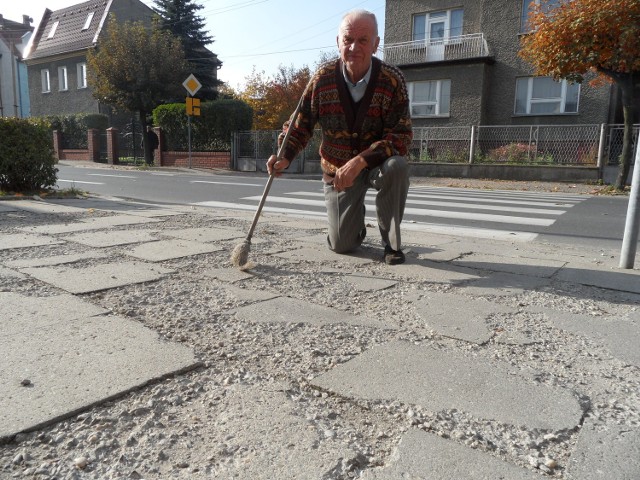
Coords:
362,106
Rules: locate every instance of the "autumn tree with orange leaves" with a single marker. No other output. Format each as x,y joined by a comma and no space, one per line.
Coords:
578,36
274,99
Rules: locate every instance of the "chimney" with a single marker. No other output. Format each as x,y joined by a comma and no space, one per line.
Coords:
26,20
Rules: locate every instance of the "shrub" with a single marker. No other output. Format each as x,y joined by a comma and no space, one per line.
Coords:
27,162
74,127
211,131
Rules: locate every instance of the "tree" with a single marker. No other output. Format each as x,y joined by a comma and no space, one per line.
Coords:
603,36
136,68
274,99
180,18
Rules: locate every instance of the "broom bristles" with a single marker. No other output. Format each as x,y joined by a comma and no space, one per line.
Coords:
240,254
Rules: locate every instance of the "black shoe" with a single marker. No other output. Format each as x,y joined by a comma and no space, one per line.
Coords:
393,257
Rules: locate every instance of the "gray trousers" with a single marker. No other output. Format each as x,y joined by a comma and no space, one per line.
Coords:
346,210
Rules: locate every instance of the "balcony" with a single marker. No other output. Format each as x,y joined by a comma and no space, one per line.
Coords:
453,48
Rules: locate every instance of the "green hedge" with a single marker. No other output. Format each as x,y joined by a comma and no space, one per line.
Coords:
74,127
211,131
27,162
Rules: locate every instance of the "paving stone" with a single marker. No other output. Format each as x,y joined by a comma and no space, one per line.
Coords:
55,260
205,234
620,336
75,363
95,223
534,267
459,317
97,277
170,249
623,280
310,254
289,310
605,452
426,456
369,284
446,380
112,238
503,284
25,240
230,275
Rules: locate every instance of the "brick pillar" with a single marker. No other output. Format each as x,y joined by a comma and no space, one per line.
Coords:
57,143
112,146
93,144
157,155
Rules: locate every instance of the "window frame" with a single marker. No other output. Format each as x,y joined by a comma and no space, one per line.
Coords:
45,80
526,9
63,79
54,27
447,21
438,103
561,100
88,20
81,75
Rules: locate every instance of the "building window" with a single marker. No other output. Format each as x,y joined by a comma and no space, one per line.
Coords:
63,83
87,22
46,80
82,75
430,99
529,5
437,26
545,96
54,27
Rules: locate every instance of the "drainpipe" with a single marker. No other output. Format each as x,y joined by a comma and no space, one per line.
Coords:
1,106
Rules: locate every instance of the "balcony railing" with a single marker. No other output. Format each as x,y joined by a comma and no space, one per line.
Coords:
421,51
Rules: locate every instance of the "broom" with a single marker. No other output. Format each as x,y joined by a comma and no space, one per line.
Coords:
240,254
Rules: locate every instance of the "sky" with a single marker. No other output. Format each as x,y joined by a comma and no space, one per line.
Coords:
251,33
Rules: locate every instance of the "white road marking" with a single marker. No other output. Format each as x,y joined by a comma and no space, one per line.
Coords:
109,175
78,181
229,183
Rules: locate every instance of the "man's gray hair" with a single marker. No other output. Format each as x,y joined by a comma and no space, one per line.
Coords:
359,13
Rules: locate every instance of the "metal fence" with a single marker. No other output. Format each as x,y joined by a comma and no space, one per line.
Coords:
580,145
453,48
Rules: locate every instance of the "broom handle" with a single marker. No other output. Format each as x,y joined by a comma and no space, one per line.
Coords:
267,187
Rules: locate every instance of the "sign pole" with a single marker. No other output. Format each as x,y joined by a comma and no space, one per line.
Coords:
632,224
191,85
189,130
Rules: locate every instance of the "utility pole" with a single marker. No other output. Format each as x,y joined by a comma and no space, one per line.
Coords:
630,239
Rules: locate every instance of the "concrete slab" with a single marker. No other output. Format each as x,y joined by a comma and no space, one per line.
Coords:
369,284
96,223
621,280
290,310
533,267
503,284
205,234
292,447
112,238
169,249
25,240
55,260
7,207
426,456
39,206
432,272
158,212
605,452
6,273
620,336
445,380
228,275
250,295
322,255
457,316
97,277
75,363
17,309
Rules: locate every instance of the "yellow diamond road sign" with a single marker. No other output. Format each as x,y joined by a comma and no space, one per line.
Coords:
192,84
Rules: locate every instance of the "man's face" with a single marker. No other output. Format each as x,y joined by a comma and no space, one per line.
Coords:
357,42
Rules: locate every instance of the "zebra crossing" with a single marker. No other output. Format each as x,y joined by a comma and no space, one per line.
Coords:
497,214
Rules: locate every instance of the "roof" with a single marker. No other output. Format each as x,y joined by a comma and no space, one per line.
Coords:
12,34
64,31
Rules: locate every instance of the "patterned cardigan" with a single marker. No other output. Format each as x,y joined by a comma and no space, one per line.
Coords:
378,128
